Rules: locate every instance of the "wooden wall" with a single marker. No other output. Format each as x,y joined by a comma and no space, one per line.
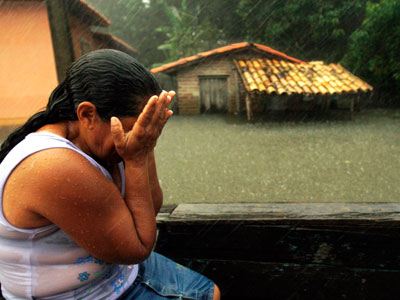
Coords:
288,251
82,37
188,83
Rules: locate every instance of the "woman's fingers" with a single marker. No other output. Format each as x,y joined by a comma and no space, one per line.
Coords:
154,116
164,110
171,94
167,113
117,133
146,115
159,107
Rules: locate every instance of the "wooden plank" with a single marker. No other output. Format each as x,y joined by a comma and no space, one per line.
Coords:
258,280
366,246
249,111
169,208
61,35
165,211
289,251
213,93
282,211
351,108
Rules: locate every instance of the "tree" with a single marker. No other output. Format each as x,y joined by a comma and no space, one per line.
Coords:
136,22
306,29
186,33
374,50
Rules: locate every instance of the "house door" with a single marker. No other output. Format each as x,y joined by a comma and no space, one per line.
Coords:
213,94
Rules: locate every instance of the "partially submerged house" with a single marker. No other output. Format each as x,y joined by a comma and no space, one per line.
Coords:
32,58
249,78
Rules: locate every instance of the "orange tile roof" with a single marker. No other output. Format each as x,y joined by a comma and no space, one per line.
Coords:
273,76
172,66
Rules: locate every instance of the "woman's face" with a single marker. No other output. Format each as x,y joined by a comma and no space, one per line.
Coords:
103,145
95,133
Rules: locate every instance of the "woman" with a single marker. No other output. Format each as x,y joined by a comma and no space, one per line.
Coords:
79,191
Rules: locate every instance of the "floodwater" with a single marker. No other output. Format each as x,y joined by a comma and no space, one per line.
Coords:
219,159
215,159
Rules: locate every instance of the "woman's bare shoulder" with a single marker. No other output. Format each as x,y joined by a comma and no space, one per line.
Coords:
41,170
42,178
63,187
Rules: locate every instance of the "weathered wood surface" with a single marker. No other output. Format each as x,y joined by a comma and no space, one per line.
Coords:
288,251
61,35
213,93
278,211
260,280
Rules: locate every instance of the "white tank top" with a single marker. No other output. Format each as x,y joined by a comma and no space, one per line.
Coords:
44,263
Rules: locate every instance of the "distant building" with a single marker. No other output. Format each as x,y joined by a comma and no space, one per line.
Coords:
29,65
248,78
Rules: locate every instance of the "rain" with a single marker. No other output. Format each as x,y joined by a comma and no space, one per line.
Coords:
219,157
280,166
215,158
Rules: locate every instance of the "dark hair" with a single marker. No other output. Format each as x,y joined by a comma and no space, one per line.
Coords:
113,81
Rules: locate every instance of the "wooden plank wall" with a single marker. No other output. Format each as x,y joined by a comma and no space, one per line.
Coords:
289,251
188,85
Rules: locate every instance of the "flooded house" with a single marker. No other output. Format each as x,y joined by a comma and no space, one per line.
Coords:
35,46
252,79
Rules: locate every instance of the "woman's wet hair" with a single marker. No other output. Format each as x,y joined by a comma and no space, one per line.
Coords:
116,83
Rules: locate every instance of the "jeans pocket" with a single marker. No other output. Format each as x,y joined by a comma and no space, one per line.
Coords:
168,291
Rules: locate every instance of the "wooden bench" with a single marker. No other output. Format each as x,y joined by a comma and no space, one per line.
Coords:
288,251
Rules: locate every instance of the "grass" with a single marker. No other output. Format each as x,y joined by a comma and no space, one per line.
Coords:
213,159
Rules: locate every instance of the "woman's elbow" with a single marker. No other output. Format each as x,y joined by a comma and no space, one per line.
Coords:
129,257
158,198
130,251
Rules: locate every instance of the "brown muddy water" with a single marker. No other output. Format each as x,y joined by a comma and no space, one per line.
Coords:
213,158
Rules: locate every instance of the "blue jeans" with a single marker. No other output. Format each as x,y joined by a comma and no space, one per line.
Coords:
161,278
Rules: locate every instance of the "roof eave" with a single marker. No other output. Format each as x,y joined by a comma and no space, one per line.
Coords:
232,48
115,42
94,16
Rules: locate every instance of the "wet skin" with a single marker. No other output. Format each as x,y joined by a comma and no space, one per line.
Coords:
75,196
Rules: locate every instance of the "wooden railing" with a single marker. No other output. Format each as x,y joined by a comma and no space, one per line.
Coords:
288,251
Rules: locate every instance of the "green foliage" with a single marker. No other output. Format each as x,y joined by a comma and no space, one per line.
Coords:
306,29
374,49
186,33
136,21
366,35
164,30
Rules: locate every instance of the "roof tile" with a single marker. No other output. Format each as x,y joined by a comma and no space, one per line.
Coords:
286,77
172,66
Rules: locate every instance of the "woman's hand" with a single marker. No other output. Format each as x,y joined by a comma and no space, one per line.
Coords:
142,138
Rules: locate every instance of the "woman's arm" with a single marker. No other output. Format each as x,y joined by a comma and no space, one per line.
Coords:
87,206
156,191
138,198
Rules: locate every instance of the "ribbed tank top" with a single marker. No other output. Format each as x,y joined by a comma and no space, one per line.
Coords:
44,263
